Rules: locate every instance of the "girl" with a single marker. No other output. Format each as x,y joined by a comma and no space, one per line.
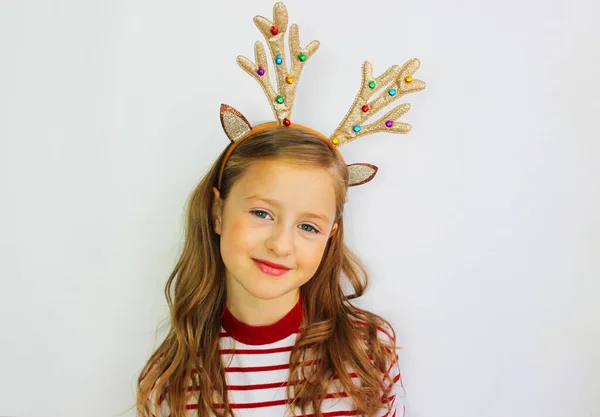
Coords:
259,321
260,325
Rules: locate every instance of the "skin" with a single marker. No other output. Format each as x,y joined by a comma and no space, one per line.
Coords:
279,232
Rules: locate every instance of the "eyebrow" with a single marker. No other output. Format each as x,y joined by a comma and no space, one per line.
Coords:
277,204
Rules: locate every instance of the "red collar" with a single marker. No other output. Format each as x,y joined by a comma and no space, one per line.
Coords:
262,335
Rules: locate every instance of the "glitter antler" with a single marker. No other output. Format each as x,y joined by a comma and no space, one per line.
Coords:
397,81
282,100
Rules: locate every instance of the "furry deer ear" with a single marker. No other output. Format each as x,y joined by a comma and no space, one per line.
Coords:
361,173
235,125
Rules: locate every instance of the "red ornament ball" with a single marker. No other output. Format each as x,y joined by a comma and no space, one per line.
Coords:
287,121
274,30
365,108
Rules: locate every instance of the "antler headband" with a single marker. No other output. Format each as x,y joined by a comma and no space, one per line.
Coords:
391,85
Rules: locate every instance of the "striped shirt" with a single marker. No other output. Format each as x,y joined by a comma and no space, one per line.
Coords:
257,374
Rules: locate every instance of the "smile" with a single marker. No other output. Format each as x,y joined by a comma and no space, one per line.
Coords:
271,268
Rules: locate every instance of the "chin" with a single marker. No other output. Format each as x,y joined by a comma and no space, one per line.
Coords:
265,294
267,288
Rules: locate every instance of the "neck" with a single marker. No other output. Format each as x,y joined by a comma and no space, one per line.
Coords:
263,330
258,312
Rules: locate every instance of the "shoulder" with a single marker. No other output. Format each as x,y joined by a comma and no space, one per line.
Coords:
381,328
386,333
380,336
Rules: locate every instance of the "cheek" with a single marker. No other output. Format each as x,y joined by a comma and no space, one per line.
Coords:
238,235
312,254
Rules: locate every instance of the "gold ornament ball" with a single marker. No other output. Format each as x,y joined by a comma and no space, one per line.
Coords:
408,79
289,80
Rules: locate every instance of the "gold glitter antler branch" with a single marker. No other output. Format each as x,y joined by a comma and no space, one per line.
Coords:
397,81
281,100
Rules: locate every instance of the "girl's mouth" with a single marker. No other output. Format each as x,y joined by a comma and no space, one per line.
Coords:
270,268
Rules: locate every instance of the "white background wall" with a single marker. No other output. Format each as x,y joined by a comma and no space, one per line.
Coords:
481,230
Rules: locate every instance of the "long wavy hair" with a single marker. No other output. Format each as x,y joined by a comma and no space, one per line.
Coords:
339,334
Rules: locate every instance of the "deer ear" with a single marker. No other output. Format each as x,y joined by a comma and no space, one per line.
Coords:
234,123
361,173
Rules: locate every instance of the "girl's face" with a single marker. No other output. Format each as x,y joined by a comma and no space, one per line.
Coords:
279,213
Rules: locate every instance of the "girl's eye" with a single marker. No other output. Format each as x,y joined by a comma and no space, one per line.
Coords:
310,230
260,213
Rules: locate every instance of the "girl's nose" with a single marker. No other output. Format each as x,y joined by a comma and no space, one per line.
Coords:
280,240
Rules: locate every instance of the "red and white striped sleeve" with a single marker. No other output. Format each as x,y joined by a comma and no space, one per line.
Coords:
396,394
163,409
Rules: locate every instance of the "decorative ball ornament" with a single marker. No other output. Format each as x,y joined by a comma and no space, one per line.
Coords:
289,80
389,123
274,30
392,92
408,79
372,84
302,56
335,141
356,128
279,60
261,71
365,108
287,121
279,99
